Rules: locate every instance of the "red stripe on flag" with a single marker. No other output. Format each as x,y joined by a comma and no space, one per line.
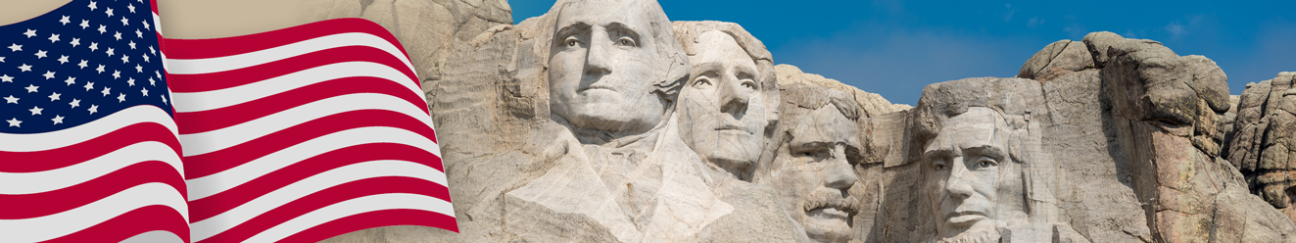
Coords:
209,120
140,220
229,46
211,163
374,219
67,198
189,83
90,149
224,201
326,197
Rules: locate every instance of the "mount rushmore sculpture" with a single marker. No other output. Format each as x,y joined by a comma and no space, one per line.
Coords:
603,121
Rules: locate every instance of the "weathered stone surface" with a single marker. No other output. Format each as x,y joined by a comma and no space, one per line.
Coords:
1099,43
1165,115
1262,145
1114,140
873,104
1061,57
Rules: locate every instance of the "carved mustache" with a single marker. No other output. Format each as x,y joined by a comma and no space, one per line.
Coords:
828,198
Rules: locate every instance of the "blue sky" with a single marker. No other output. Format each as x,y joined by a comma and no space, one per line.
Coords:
894,48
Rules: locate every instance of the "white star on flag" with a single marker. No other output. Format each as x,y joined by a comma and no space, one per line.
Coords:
70,81
25,67
55,96
118,35
6,78
63,59
40,54
116,74
48,75
16,47
75,103
131,7
54,38
92,6
125,59
132,45
103,29
125,21
89,86
109,12
14,122
100,69
85,24
57,119
145,91
93,109
131,82
83,64
121,97
11,99
32,88
30,33
138,68
106,91
110,52
139,34
36,110
75,42
94,46
65,20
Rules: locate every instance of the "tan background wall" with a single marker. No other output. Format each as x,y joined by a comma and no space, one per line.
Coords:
208,18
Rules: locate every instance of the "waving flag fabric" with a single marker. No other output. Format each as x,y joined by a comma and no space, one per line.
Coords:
301,133
293,135
89,151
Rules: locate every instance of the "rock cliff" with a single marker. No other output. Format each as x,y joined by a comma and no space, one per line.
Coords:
1106,139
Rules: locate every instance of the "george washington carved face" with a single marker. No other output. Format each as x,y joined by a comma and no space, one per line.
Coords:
610,68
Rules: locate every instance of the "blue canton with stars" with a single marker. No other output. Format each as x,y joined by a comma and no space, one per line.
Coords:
78,63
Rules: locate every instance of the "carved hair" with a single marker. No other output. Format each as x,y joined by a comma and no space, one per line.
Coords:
687,32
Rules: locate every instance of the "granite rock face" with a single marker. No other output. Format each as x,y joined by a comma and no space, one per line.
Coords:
1106,139
1261,144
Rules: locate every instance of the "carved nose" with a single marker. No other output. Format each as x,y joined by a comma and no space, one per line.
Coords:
733,98
597,60
958,185
839,173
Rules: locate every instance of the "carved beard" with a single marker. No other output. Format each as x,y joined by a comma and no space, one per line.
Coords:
985,236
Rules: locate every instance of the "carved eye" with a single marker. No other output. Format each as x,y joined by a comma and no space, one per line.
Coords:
571,42
985,163
701,81
749,84
626,41
938,166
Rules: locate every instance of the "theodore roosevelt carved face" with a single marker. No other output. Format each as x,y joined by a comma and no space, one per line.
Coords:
813,169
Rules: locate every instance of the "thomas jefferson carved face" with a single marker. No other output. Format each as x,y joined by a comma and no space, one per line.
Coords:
603,67
814,172
969,171
722,106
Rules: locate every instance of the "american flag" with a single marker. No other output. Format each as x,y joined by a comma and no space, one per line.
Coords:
293,135
304,133
89,151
